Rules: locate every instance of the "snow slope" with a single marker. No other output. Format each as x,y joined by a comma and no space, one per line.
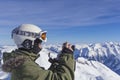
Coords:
93,70
106,53
91,60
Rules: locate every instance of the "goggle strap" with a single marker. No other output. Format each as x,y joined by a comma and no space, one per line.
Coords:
25,33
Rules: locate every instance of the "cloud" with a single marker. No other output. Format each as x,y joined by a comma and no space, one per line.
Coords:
65,13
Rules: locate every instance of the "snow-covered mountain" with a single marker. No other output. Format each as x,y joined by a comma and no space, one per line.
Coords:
93,70
99,61
106,53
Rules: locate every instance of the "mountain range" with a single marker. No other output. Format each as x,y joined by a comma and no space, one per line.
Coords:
96,61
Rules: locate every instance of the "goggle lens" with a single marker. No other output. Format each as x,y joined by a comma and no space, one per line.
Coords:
43,36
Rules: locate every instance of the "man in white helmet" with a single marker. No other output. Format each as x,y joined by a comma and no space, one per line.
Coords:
21,62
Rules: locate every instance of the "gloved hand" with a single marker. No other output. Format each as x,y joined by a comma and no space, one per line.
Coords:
68,48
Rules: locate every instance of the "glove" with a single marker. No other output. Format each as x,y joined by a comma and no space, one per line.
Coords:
68,48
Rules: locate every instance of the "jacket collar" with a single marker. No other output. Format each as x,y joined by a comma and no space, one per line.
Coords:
30,54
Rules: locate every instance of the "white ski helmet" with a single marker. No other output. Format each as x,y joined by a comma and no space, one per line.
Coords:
27,32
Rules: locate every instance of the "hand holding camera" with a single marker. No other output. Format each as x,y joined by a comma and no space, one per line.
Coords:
66,48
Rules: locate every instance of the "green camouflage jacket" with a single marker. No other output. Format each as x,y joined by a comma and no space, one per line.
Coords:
21,64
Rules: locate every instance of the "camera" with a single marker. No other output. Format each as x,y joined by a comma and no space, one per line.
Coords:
73,47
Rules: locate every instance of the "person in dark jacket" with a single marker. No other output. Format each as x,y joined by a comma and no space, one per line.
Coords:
21,62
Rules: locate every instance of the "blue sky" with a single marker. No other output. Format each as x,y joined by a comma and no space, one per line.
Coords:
76,21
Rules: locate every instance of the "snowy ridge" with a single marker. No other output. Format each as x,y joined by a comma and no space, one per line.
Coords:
7,48
106,53
93,61
93,70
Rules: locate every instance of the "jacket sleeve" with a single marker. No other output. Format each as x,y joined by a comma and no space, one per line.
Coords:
64,67
61,70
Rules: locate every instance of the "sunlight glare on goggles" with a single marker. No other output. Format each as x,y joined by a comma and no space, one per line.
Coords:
43,36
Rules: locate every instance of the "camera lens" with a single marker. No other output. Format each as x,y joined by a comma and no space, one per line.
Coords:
73,47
